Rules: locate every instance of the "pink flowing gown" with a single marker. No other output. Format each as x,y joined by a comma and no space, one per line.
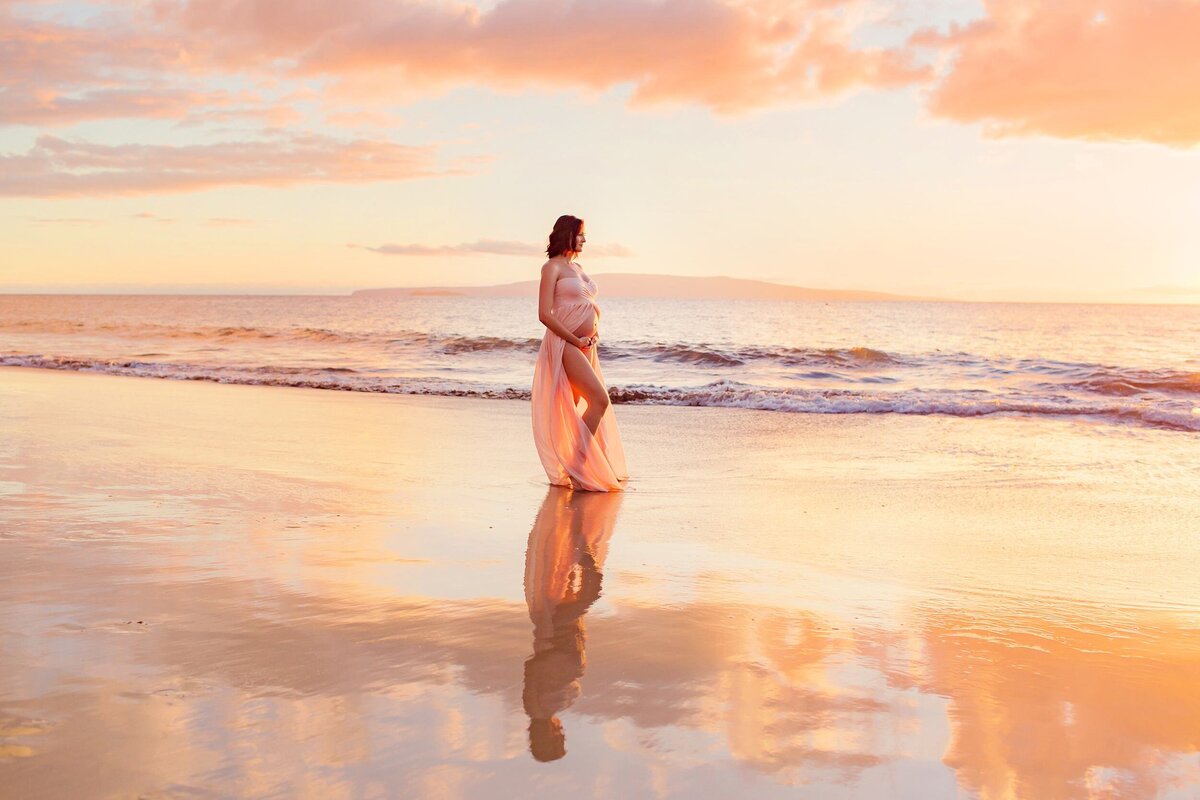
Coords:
569,452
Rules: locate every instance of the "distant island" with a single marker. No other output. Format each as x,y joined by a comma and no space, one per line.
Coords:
619,284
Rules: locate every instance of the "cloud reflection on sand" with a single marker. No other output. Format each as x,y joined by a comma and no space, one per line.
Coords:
1014,706
325,619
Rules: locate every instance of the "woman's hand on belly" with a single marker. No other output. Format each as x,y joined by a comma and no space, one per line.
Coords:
588,329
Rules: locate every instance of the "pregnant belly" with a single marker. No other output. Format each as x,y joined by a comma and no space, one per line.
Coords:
583,320
586,328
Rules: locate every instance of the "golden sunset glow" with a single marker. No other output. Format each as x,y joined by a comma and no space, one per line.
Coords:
1028,150
592,399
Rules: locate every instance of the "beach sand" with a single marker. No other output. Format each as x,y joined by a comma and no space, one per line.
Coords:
239,591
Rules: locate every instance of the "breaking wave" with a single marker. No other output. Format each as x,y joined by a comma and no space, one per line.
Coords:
1099,401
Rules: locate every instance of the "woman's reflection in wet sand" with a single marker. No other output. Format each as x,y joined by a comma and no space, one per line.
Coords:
563,566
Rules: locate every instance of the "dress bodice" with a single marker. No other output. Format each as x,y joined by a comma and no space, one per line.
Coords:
575,288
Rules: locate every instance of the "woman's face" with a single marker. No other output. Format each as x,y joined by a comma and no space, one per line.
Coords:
580,238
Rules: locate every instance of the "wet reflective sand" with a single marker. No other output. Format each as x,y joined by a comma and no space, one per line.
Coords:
214,591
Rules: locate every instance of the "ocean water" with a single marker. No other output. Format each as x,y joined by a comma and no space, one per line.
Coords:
1114,364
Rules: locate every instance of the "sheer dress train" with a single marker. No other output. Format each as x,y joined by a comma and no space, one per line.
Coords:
569,452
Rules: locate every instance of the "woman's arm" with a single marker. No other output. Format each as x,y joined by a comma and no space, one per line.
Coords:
546,305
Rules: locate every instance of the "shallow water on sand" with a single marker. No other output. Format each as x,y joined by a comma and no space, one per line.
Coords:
213,591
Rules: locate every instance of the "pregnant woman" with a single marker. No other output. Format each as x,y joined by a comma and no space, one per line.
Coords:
573,424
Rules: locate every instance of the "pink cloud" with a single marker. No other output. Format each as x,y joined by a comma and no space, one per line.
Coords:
1091,69
29,106
487,247
730,56
57,167
146,215
605,251
65,221
153,61
54,74
1081,69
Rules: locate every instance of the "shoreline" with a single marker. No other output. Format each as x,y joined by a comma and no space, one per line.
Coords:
753,398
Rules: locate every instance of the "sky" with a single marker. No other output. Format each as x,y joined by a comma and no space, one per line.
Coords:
996,150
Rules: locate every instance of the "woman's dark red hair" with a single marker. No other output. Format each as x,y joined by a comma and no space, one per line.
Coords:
562,238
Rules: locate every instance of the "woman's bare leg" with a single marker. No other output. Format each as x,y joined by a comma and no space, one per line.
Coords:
584,381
